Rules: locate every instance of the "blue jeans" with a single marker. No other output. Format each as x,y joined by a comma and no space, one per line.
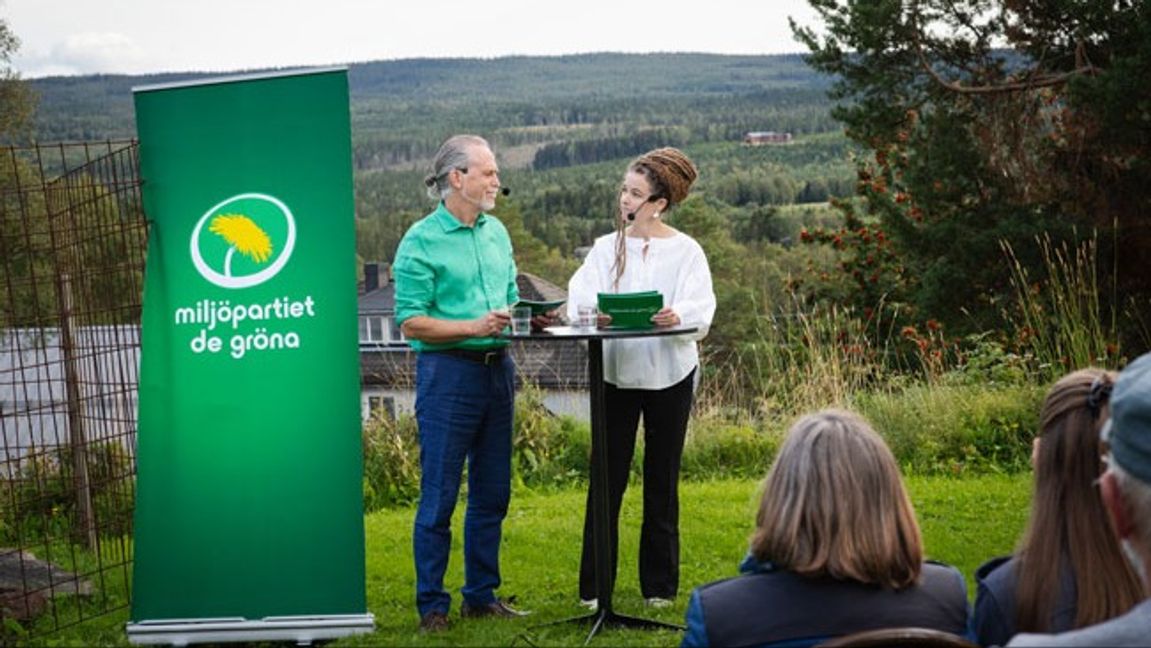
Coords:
464,410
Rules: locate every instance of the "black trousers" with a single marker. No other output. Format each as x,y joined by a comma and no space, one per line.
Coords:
665,413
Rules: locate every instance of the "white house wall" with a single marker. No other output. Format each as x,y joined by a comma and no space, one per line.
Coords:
34,414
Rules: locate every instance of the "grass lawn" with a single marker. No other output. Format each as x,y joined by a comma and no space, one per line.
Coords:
964,522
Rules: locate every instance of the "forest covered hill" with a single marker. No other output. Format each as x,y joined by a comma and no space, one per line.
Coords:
564,129
579,86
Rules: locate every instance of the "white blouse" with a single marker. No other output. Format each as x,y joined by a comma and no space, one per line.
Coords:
677,268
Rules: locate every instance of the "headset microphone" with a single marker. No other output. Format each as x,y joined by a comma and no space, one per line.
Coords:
503,190
631,215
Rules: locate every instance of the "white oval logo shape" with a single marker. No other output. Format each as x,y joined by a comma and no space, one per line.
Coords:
243,241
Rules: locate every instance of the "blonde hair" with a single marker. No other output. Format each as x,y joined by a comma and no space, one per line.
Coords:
834,505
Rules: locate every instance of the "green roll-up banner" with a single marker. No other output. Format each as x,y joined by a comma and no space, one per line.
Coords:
249,509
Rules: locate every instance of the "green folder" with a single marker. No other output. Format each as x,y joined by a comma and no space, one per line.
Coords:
540,307
631,310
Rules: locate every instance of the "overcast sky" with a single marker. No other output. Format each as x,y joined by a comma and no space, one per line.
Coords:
67,37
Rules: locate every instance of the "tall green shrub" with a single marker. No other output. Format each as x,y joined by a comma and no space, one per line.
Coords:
391,462
956,429
39,501
547,450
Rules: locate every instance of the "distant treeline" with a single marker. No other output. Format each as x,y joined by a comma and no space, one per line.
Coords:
563,127
401,110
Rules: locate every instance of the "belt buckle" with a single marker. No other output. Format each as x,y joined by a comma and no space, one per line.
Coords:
490,357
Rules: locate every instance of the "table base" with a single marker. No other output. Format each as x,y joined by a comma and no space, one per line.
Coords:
606,618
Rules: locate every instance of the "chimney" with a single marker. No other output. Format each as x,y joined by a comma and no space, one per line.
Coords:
371,277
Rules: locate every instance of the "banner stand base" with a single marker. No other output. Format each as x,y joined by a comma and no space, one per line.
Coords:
304,630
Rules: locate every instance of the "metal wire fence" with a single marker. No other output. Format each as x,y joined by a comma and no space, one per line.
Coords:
72,243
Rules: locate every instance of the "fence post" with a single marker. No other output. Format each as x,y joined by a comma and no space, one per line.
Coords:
84,525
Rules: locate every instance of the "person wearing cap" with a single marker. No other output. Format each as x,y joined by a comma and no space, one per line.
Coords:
1068,571
1126,491
653,378
455,277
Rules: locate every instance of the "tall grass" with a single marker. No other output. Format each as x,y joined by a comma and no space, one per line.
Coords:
942,410
965,426
1059,317
814,356
956,429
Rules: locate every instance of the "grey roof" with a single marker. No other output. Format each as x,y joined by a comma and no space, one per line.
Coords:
382,300
379,301
553,365
538,289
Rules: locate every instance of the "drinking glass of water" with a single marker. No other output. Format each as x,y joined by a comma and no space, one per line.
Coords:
586,317
522,320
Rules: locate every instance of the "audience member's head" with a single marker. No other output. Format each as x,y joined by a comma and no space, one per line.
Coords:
1068,521
1126,484
834,505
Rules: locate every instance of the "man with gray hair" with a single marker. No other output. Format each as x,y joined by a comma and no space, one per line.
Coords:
1126,491
455,278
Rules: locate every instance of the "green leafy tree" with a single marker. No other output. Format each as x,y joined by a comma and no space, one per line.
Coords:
16,102
88,255
17,244
532,255
990,120
734,272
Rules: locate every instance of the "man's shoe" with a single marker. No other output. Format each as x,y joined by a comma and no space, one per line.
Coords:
658,602
591,604
498,608
434,622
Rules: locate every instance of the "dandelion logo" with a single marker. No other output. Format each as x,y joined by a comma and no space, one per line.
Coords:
243,241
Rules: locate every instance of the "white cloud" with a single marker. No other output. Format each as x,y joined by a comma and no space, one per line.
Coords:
89,52
142,36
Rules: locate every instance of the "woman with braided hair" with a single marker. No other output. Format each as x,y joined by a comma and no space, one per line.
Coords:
650,377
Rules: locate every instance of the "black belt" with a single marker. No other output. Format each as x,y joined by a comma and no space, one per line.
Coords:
488,357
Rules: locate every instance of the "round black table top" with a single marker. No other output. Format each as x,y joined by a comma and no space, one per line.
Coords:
577,333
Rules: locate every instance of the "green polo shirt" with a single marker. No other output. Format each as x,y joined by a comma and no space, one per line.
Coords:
449,271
